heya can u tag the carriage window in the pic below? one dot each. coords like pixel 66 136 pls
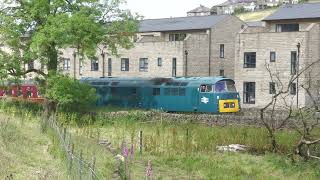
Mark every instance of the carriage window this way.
pixel 156 92
pixel 182 91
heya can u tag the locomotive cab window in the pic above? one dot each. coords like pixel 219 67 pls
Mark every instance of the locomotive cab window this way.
pixel 225 86
pixel 206 88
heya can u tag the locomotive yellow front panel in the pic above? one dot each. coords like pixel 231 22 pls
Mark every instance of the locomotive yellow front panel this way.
pixel 229 106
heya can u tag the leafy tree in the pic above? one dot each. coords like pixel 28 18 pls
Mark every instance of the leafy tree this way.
pixel 39 29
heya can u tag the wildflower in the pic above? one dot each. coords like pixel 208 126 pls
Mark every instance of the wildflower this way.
pixel 125 151
pixel 149 169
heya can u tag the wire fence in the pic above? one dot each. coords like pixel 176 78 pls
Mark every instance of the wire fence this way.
pixel 78 167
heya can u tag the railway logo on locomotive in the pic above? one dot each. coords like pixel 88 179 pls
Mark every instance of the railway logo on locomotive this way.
pixel 205 100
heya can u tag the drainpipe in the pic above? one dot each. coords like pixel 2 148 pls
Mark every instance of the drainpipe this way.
pixel 210 43
pixel 186 67
pixel 74 64
pixel 298 59
pixel 103 63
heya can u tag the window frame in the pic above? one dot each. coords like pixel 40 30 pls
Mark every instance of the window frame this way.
pixel 95 64
pixel 221 50
pixel 293 89
pixel 293 62
pixel 66 66
pixel 273 56
pixel 221 72
pixel 30 65
pixel 174 67
pixel 250 64
pixel 159 61
pixel 292 27
pixel 177 37
pixel 143 64
pixel 247 93
pixel 125 64
pixel 272 88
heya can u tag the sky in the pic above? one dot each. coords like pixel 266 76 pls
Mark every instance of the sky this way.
pixel 152 9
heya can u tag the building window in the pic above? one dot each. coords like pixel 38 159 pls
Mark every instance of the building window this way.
pixel 249 92
pixel 272 88
pixel 66 64
pixel 31 65
pixel 80 66
pixel 249 60
pixel 159 62
pixel 293 63
pixel 221 72
pixel 94 64
pixel 124 64
pixel 109 66
pixel 174 67
pixel 287 27
pixel 293 89
pixel 143 65
pixel 221 50
pixel 272 56
pixel 177 37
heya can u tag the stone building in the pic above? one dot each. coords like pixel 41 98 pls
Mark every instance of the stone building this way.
pixel 286 43
pixel 200 11
pixel 186 46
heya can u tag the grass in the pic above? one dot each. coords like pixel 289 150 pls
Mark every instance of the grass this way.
pixel 257 15
pixel 182 150
pixel 24 151
pixel 175 155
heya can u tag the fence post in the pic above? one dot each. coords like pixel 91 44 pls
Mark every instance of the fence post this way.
pixel 140 142
pixel 91 168
pixel 80 166
pixel 70 154
pixel 64 134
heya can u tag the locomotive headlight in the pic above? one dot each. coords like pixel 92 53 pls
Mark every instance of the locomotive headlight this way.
pixel 232 105
pixel 218 97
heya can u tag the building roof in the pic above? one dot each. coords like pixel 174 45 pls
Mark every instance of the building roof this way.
pixel 200 9
pixel 180 23
pixel 299 11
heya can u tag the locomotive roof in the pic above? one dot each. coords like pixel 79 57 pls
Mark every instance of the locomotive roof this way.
pixel 137 81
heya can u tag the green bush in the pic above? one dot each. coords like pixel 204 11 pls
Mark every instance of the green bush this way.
pixel 69 93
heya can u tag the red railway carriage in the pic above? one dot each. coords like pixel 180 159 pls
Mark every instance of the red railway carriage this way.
pixel 25 91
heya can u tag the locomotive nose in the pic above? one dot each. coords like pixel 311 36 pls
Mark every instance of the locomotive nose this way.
pixel 229 106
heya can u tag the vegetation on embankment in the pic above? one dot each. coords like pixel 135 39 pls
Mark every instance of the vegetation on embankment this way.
pixel 256 16
pixel 183 150
pixel 25 152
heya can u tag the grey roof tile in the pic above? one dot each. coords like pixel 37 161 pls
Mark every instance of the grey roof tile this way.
pixel 180 23
pixel 299 11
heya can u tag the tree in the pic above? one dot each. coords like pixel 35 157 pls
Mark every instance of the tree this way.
pixel 39 29
pixel 303 119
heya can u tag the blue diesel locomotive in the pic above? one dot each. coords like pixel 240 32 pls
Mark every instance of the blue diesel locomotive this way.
pixel 190 94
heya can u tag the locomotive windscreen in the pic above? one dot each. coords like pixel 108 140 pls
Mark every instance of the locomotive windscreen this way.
pixel 225 86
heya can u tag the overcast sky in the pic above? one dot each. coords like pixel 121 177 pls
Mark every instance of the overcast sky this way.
pixel 151 9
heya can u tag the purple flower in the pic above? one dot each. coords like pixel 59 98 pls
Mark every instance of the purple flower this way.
pixel 149 169
pixel 125 151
